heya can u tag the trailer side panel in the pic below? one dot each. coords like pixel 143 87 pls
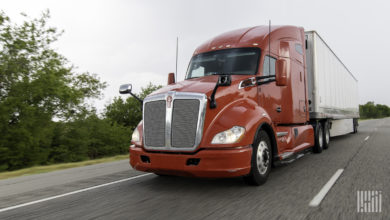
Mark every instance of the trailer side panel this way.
pixel 332 88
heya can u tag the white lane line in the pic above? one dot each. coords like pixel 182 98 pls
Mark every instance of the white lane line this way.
pixel 366 138
pixel 71 193
pixel 325 189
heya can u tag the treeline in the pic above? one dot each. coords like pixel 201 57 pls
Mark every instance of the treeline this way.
pixel 43 115
pixel 88 135
pixel 370 110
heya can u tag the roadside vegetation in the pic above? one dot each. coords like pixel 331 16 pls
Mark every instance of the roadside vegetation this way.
pixel 370 110
pixel 44 118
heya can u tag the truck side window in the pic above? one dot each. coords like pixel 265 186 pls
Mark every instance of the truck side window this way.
pixel 299 49
pixel 266 66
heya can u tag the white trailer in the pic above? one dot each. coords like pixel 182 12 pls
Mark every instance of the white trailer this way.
pixel 332 89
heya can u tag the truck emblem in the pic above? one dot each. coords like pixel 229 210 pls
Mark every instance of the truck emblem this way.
pixel 169 101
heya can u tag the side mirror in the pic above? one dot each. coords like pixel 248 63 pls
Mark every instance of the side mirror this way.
pixel 224 80
pixel 125 89
pixel 281 72
pixel 171 78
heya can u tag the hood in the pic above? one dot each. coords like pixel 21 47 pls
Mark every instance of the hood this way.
pixel 203 85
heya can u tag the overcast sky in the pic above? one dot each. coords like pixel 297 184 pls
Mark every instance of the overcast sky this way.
pixel 135 41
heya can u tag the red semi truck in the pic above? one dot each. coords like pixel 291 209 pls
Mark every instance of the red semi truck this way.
pixel 251 98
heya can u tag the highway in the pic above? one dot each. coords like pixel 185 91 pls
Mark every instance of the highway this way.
pixel 364 159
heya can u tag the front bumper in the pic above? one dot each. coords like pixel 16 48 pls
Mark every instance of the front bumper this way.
pixel 213 163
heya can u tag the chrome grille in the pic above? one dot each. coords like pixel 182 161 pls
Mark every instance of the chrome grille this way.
pixel 176 124
pixel 184 122
pixel 154 123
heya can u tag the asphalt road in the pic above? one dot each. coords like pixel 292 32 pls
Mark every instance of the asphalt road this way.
pixel 286 195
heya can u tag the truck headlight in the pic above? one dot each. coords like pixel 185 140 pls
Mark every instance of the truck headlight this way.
pixel 135 135
pixel 230 136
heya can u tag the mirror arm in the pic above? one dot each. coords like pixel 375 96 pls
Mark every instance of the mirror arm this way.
pixel 265 77
pixel 213 103
pixel 265 82
pixel 138 99
pixel 223 80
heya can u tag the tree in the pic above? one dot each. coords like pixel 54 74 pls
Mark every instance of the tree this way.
pixel 128 112
pixel 89 137
pixel 370 110
pixel 37 84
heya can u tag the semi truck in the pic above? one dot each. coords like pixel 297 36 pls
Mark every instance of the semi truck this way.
pixel 252 98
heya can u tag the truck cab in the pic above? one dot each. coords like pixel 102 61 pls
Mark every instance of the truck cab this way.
pixel 242 108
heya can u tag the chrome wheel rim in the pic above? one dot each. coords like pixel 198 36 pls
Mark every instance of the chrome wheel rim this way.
pixel 262 157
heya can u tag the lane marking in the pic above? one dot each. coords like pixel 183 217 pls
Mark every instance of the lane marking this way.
pixel 325 189
pixel 71 193
pixel 366 138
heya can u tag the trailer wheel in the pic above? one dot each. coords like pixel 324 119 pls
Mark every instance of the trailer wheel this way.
pixel 326 138
pixel 355 125
pixel 318 138
pixel 261 160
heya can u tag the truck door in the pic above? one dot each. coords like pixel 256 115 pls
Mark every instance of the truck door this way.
pixel 298 81
pixel 285 104
pixel 270 95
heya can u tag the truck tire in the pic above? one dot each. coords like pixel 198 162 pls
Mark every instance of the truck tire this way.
pixel 326 132
pixel 318 138
pixel 261 160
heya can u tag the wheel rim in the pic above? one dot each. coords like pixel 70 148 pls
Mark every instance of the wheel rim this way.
pixel 262 157
pixel 320 139
pixel 327 136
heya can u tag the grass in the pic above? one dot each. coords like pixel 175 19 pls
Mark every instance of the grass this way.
pixel 60 166
pixel 365 119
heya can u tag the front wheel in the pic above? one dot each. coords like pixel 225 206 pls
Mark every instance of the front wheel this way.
pixel 261 160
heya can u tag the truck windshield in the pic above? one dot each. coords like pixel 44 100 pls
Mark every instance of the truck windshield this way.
pixel 241 61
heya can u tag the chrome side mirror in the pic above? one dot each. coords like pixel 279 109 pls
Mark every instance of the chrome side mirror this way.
pixel 125 89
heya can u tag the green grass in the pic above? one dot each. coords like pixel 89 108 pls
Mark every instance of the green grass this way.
pixel 60 166
pixel 365 119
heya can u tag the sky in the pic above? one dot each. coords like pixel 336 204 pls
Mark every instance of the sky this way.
pixel 134 41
